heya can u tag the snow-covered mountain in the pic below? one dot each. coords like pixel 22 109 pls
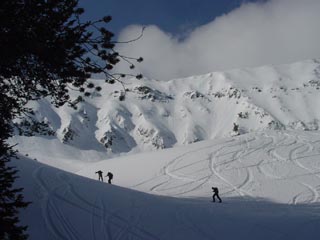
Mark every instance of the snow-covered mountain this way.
pixel 253 133
pixel 158 114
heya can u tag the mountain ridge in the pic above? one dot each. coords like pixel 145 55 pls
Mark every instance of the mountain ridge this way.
pixel 157 115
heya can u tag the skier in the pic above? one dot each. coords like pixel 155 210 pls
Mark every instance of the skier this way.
pixel 100 175
pixel 215 194
pixel 110 176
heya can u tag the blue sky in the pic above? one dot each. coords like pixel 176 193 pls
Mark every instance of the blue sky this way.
pixel 189 37
pixel 173 16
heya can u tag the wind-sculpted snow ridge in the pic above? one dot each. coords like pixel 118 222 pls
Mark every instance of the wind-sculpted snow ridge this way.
pixel 269 183
pixel 157 115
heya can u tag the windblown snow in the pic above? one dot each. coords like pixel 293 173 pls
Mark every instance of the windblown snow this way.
pixel 267 171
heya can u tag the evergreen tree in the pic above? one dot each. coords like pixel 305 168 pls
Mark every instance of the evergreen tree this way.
pixel 45 50
pixel 11 199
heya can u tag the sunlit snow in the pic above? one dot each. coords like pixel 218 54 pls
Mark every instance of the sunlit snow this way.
pixel 171 142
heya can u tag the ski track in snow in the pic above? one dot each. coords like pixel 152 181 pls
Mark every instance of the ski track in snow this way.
pixel 58 223
pixel 51 212
pixel 175 174
pixel 260 156
pixel 189 224
pixel 238 167
pixel 306 147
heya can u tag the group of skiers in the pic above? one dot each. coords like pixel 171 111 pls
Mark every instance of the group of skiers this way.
pixel 109 175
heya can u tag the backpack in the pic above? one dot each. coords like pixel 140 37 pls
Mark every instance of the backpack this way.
pixel 110 175
pixel 215 190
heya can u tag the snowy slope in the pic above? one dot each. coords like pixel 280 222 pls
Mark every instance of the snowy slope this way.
pixel 269 182
pixel 268 172
pixel 278 166
pixel 157 114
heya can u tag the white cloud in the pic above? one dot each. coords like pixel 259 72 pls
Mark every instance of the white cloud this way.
pixel 278 31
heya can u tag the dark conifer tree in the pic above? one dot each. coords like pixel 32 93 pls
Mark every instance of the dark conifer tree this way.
pixel 45 50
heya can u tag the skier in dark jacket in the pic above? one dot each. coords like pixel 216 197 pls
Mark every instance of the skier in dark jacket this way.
pixel 100 175
pixel 110 176
pixel 216 194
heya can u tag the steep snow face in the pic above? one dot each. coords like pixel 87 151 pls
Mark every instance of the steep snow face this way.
pixel 157 115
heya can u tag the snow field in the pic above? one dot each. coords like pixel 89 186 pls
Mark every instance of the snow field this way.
pixel 279 166
pixel 269 183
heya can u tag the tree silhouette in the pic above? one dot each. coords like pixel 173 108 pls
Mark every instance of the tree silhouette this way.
pixel 45 50
pixel 11 198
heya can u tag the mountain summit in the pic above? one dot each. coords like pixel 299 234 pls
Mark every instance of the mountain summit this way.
pixel 165 114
